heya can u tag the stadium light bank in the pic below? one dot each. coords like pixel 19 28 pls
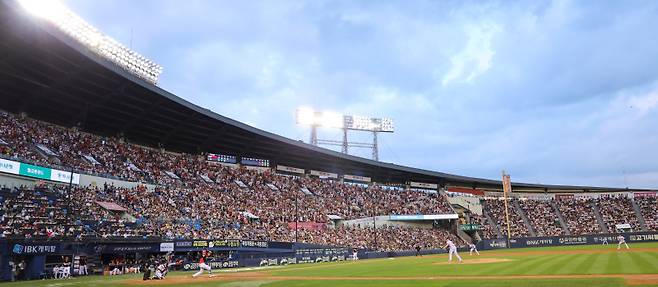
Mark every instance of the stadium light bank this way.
pixel 308 117
pixel 71 24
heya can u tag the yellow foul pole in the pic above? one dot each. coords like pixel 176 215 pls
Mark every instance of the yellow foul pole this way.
pixel 507 188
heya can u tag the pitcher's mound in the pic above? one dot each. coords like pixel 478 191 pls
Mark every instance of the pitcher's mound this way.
pixel 476 261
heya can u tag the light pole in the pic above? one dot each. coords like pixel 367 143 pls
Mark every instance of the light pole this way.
pixel 315 119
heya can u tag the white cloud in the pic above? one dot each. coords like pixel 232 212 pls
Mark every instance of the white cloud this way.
pixel 645 103
pixel 476 57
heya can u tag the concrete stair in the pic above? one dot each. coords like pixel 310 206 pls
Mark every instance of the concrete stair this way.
pixel 563 223
pixel 468 203
pixel 599 217
pixel 464 236
pixel 518 208
pixel 94 264
pixel 638 213
pixel 492 222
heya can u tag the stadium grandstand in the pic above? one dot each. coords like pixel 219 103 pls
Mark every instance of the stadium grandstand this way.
pixel 92 151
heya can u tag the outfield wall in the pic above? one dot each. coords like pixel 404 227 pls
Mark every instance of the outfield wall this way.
pixel 631 237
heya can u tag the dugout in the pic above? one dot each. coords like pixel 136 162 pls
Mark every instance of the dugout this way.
pixel 37 258
pixel 28 261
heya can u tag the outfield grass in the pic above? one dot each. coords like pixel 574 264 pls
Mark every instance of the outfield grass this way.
pixel 553 266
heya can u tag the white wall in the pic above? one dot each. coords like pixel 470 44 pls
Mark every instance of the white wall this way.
pixel 86 180
pixel 12 181
pixel 468 202
pixel 384 220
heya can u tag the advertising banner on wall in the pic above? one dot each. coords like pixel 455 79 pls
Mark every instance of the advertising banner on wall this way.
pixel 127 248
pixel 470 227
pixel 35 171
pixel 64 176
pixel 565 196
pixel 8 166
pixel 568 240
pixel 289 169
pixel 493 244
pixel 423 185
pixel 310 255
pixel 213 264
pixel 466 190
pixel 645 194
pixel 166 247
pixel 34 248
pixel 307 225
pixel 192 245
pixel 323 174
pixel 423 217
pixel 356 178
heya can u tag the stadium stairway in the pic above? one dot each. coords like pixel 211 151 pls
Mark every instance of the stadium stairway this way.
pixel 563 223
pixel 468 203
pixel 492 222
pixel 599 218
pixel 465 237
pixel 638 213
pixel 446 199
pixel 518 208
pixel 94 264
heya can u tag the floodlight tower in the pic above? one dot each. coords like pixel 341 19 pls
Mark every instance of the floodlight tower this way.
pixel 315 119
pixel 89 36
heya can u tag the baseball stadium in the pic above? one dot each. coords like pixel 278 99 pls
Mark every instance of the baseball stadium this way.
pixel 106 179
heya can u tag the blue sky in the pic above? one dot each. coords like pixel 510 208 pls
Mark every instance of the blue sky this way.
pixel 558 92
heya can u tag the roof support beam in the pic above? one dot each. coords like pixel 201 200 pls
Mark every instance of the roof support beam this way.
pixel 176 129
pixel 212 138
pixel 129 123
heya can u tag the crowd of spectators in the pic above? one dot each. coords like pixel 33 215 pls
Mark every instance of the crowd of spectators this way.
pixel 45 143
pixel 579 215
pixel 183 213
pixel 648 206
pixel 387 238
pixel 495 207
pixel 234 203
pixel 39 212
pixel 617 210
pixel 542 217
pixel 195 198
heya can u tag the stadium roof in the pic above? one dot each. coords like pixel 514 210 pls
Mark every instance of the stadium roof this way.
pixel 52 77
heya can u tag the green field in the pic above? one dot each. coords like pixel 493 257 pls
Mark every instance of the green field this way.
pixel 565 266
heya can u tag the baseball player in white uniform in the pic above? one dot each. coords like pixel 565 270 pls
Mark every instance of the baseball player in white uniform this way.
pixel 355 254
pixel 66 268
pixel 473 249
pixel 65 272
pixel 160 271
pixel 57 272
pixel 605 241
pixel 621 240
pixel 82 266
pixel 452 250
